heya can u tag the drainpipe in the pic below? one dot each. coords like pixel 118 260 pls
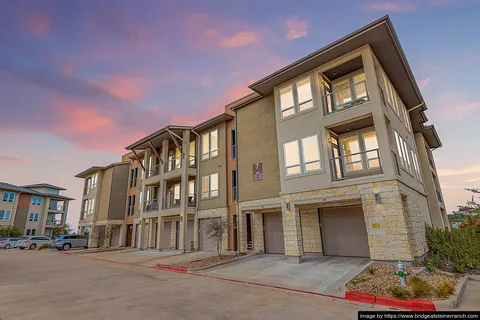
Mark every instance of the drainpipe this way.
pixel 237 209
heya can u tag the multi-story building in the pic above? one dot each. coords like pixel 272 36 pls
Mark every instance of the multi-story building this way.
pixel 35 209
pixel 341 158
pixel 102 214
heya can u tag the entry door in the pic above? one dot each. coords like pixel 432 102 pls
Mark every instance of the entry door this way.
pixel 274 241
pixel 129 235
pixel 204 243
pixel 344 232
pixel 177 234
pixel 167 235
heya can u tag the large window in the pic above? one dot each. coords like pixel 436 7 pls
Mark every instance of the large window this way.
pixel 131 205
pixel 347 91
pixel 210 186
pixel 359 152
pixel 133 177
pixel 8 197
pixel 91 182
pixel 403 152
pixel 306 159
pixel 210 144
pixel 33 216
pixel 5 215
pixel 36 201
pixel 395 102
pixel 233 144
pixel 416 167
pixel 234 185
pixel 296 97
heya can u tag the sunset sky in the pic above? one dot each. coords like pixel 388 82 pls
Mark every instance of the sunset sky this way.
pixel 80 80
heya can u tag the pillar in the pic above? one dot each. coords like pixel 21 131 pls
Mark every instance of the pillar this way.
pixel 242 232
pixel 292 232
pixel 173 234
pixel 142 233
pixel 195 232
pixel 93 237
pixel 160 227
pixel 134 235
pixel 123 232
pixel 182 243
pixel 163 184
pixel 151 233
pixel 108 236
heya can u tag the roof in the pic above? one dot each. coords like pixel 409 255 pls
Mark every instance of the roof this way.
pixel 25 189
pixel 46 185
pixel 213 121
pixel 249 98
pixel 94 169
pixel 141 143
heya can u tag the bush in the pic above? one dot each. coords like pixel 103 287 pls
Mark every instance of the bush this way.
pixel 399 292
pixel 420 287
pixel 430 266
pixel 44 246
pixel 371 270
pixel 11 231
pixel 459 247
pixel 444 289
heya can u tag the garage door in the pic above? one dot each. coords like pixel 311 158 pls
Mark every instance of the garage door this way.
pixel 204 243
pixel 115 237
pixel 344 232
pixel 274 242
pixel 166 236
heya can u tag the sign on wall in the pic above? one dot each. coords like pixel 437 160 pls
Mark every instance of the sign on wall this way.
pixel 257 172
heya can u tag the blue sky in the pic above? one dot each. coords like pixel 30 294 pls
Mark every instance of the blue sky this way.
pixel 80 80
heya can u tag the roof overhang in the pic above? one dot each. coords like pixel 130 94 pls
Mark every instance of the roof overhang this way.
pixel 156 137
pixel 213 122
pixel 431 136
pixel 237 104
pixel 88 172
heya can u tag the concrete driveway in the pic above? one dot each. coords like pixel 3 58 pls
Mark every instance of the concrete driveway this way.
pixel 326 275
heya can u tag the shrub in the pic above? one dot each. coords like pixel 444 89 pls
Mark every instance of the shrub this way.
pixel 371 269
pixel 399 292
pixel 460 247
pixel 11 231
pixel 44 246
pixel 420 287
pixel 430 266
pixel 444 289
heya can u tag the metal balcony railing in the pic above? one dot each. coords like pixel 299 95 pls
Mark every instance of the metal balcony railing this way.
pixel 154 171
pixel 58 207
pixel 347 97
pixel 356 164
pixel 54 223
pixel 151 205
pixel 173 164
pixel 439 197
pixel 170 202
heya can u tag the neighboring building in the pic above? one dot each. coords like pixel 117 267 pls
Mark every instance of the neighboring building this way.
pixel 334 157
pixel 102 215
pixel 35 209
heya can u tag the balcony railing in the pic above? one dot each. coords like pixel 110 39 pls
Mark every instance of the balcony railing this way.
pixel 170 202
pixel 151 205
pixel 431 162
pixel 192 162
pixel 154 171
pixel 173 164
pixel 347 97
pixel 58 207
pixel 54 223
pixel 439 197
pixel 356 164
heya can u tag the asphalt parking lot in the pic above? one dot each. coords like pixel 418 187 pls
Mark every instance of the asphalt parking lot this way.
pixel 51 285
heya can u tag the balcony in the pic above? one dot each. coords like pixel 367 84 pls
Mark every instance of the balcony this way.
pixel 439 197
pixel 347 97
pixel 172 202
pixel 51 224
pixel 152 172
pixel 356 165
pixel 57 207
pixel 151 205
pixel 173 164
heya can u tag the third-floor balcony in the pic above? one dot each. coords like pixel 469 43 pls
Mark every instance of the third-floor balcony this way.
pixel 176 163
pixel 346 96
pixel 54 206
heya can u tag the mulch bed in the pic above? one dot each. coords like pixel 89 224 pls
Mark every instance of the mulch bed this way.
pixel 383 277
pixel 205 262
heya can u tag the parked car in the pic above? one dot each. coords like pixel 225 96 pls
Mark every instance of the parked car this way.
pixel 8 243
pixel 31 242
pixel 67 241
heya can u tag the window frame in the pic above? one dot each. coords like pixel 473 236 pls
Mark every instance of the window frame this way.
pixel 209 192
pixel 302 154
pixel 210 150
pixel 296 103
pixel 301 157
pixel 6 215
pixel 8 196
pixel 234 186
pixel 363 152
pixel 299 165
pixel 416 167
pixel 233 144
pixel 31 216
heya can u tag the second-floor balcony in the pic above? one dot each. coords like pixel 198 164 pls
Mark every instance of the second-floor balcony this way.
pixel 53 223
pixel 151 205
pixel 170 202
pixel 57 207
pixel 355 165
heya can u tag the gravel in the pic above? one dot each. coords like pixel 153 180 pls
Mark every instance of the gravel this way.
pixel 384 277
pixel 205 262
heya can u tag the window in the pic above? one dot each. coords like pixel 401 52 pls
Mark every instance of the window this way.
pixel 36 201
pixel 191 192
pixel 210 144
pixel 31 232
pixel 36 216
pixel 233 144
pixel 91 182
pixel 8 197
pixel 296 97
pixel 52 190
pixel 416 166
pixel 346 92
pixel 133 177
pixel 371 146
pixel 91 207
pixel 395 102
pixel 309 156
pixel 131 205
pixel 402 152
pixel 31 216
pixel 210 186
pixel 5 215
pixel 351 150
pixel 191 162
pixel 234 185
pixel 359 152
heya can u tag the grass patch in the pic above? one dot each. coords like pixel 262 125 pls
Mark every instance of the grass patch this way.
pixel 420 287
pixel 399 292
pixel 444 289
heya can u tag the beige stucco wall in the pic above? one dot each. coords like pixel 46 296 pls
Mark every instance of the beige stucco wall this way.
pixel 257 143
pixel 12 206
pixel 104 197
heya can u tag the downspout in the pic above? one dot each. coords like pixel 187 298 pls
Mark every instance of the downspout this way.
pixel 237 209
pixel 198 169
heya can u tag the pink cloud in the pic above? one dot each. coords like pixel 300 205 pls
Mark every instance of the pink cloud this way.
pixel 13 159
pixel 391 6
pixel 240 39
pixel 68 70
pixel 462 105
pixel 38 24
pixel 125 87
pixel 296 28
pixel 423 83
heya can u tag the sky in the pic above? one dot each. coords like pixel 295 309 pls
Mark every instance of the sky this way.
pixel 80 80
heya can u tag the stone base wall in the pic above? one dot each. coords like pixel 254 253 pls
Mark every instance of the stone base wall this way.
pixel 257 230
pixel 312 240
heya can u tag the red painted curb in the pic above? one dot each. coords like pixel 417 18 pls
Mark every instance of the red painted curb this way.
pixel 414 305
pixel 170 268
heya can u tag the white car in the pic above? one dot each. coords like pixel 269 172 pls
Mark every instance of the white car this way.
pixel 31 242
pixel 8 243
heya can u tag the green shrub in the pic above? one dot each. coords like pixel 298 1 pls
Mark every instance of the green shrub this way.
pixel 371 269
pixel 420 287
pixel 460 247
pixel 44 246
pixel 357 281
pixel 444 289
pixel 399 292
pixel 11 231
pixel 430 266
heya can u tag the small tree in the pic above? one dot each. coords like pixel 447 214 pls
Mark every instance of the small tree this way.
pixel 61 229
pixel 214 229
pixel 11 231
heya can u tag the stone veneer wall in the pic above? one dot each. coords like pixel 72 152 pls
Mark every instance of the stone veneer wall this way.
pixel 312 240
pixel 257 229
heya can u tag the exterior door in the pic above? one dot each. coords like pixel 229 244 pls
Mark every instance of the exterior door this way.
pixel 129 235
pixel 115 237
pixel 204 243
pixel 167 235
pixel 177 234
pixel 344 232
pixel 274 241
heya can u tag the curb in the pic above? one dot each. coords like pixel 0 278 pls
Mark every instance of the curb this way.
pixel 414 305
pixel 452 302
pixel 166 267
pixel 239 258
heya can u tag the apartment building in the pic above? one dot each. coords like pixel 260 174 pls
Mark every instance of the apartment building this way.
pixel 35 209
pixel 334 157
pixel 102 215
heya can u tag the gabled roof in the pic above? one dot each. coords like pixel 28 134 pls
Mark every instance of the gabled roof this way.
pixel 213 121
pixel 27 190
pixel 44 185
pixel 11 187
